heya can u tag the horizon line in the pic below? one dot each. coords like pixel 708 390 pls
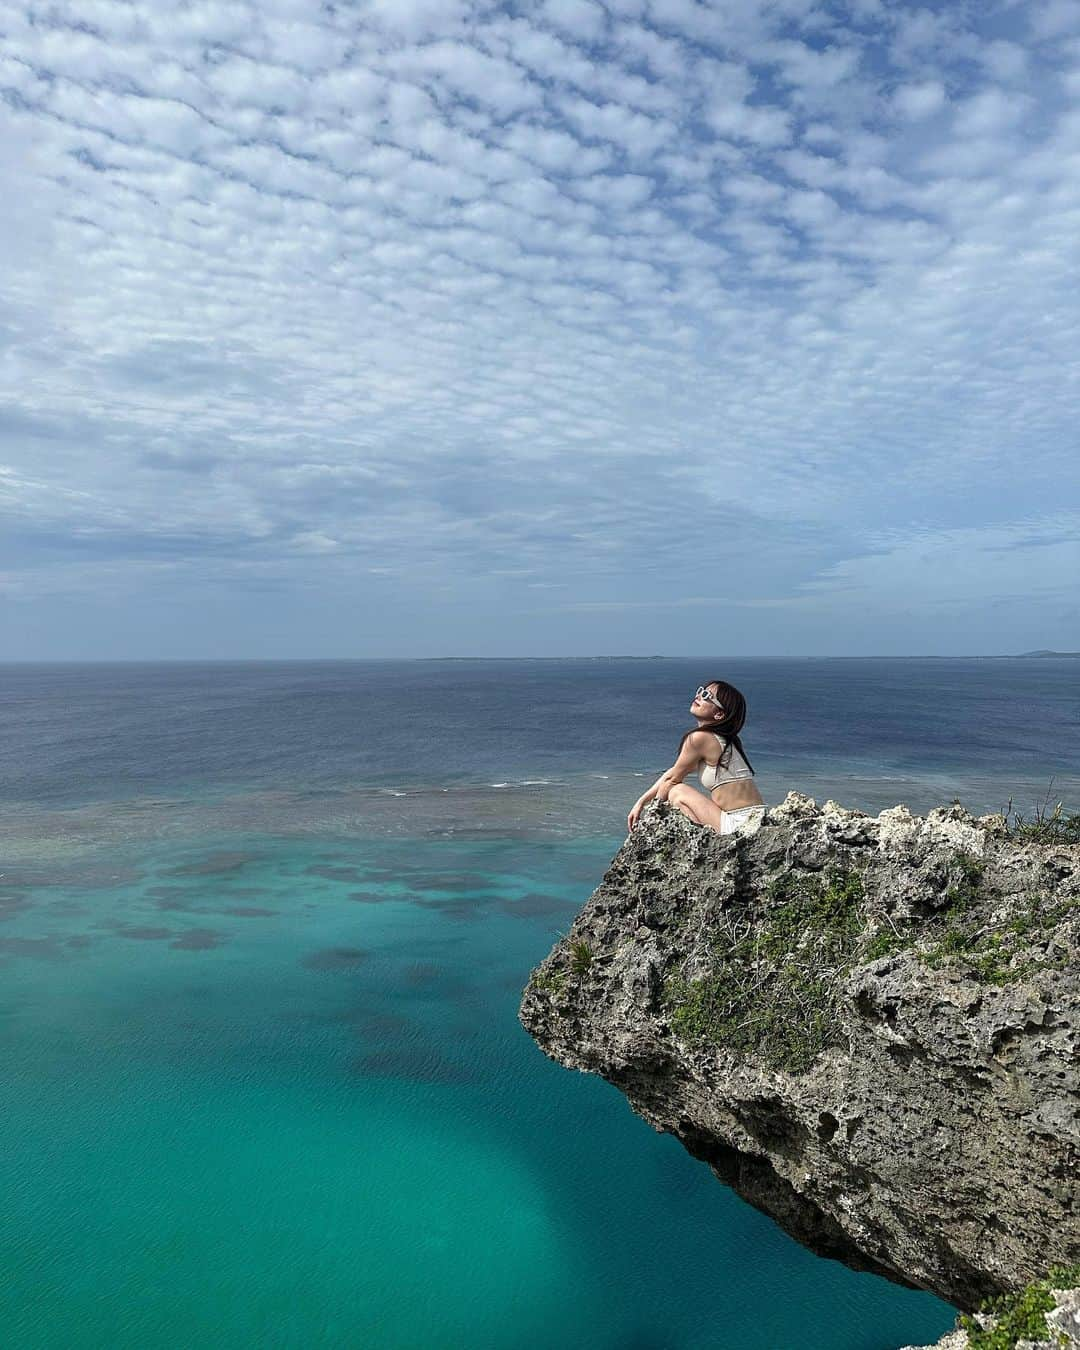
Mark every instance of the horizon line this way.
pixel 623 656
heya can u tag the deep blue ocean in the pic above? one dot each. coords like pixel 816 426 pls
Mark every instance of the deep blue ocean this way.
pixel 263 933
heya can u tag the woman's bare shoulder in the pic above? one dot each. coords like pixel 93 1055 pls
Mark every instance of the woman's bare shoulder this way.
pixel 699 740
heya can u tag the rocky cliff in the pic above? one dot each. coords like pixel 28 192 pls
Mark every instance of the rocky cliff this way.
pixel 868 1026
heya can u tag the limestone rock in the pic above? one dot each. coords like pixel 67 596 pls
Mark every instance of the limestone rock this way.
pixel 908 1101
pixel 1065 1319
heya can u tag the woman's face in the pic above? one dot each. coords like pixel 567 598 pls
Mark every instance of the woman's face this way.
pixel 702 707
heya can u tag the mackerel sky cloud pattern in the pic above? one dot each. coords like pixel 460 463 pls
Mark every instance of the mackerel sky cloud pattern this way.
pixel 442 326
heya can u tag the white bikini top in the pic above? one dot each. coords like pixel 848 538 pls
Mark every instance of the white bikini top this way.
pixel 712 776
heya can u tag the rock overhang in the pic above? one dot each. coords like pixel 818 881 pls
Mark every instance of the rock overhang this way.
pixel 924 1121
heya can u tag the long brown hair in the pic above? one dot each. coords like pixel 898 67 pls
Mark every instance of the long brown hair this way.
pixel 729 725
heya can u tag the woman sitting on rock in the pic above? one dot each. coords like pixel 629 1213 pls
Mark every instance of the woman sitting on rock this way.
pixel 715 753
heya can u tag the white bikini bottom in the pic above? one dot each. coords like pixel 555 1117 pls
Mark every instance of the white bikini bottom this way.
pixel 743 818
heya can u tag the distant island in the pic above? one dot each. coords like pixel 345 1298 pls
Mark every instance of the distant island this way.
pixel 1049 653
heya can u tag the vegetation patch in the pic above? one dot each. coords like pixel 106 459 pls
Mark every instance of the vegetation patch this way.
pixel 888 939
pixel 994 952
pixel 554 982
pixel 1020 1316
pixel 551 982
pixel 1044 825
pixel 775 986
pixel 777 973
pixel 580 957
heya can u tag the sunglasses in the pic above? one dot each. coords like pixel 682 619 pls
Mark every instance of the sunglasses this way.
pixel 703 693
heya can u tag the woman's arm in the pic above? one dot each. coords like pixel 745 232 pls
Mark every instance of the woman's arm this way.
pixel 687 762
pixel 639 805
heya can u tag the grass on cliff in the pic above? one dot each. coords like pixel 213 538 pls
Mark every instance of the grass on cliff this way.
pixel 1020 1316
pixel 1044 825
pixel 993 951
pixel 554 982
pixel 774 989
pixel 776 980
pixel 581 957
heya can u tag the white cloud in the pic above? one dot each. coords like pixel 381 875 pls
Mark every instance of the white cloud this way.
pixel 635 134
pixel 665 58
pixel 916 101
pixel 1005 60
pixel 1054 19
pixel 809 67
pixel 619 192
pixel 349 89
pixel 470 74
pixel 761 125
pixel 310 47
pixel 689 18
pixel 414 287
pixel 582 20
pixel 417 19
pixel 991 112
pixel 555 151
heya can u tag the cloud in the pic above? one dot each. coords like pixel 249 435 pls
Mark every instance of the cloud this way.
pixel 1026 562
pixel 991 112
pixel 581 20
pixel 916 101
pixel 761 125
pixel 502 301
pixel 1054 19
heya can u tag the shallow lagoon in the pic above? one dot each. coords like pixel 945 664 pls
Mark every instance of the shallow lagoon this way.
pixel 258 988
pixel 263 1092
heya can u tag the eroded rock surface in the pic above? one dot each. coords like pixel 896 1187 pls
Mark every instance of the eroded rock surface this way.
pixel 868 1026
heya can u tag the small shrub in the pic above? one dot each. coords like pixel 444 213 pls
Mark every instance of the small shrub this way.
pixel 581 957
pixel 1019 1316
pixel 1045 825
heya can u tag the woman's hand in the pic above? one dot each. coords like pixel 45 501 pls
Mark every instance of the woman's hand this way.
pixel 687 762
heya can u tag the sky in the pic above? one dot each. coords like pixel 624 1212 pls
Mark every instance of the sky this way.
pixel 453 327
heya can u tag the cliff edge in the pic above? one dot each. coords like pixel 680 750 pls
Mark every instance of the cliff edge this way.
pixel 867 1026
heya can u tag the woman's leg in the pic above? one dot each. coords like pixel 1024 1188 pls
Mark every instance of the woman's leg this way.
pixel 696 805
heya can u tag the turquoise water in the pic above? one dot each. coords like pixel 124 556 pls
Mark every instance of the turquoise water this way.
pixel 263 934
pixel 264 1090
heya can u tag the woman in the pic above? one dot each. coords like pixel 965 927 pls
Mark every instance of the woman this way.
pixel 715 753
